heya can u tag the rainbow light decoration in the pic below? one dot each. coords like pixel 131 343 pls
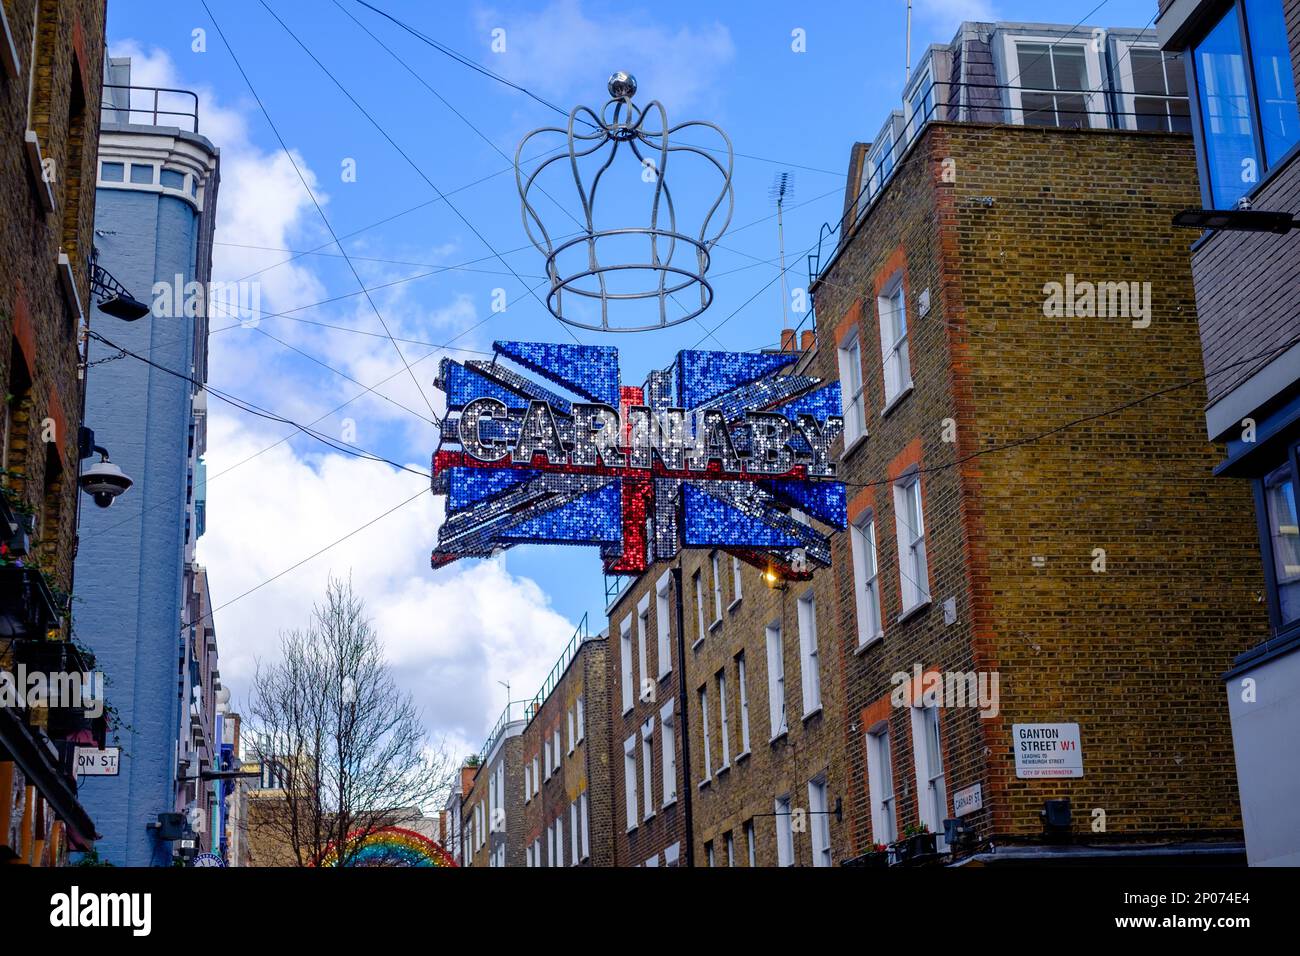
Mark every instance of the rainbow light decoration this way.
pixel 391 846
pixel 729 450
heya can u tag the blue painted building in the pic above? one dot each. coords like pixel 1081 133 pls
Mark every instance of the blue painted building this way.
pixel 142 599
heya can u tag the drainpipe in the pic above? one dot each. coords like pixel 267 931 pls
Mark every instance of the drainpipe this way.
pixel 686 735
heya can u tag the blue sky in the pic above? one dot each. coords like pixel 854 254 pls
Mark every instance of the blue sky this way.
pixel 455 633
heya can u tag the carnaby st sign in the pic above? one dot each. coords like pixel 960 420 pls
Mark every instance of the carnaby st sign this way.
pixel 721 449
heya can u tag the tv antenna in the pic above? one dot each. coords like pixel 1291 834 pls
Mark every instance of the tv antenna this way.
pixel 782 188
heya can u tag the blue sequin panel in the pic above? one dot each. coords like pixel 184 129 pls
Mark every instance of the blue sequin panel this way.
pixel 588 370
pixel 708 522
pixel 824 500
pixel 703 376
pixel 463 385
pixel 470 485
pixel 594 518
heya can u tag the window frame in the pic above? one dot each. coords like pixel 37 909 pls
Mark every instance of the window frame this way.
pixel 819 826
pixel 881 788
pixel 931 774
pixel 642 637
pixel 625 664
pixel 778 722
pixel 810 675
pixel 724 724
pixel 895 348
pixel 715 565
pixel 866 590
pixel 782 807
pixel 630 783
pixel 663 625
pixel 913 550
pixel 1094 97
pixel 742 676
pixel 647 768
pixel 1272 585
pixel 707 749
pixel 1127 92
pixel 853 401
pixel 1264 169
pixel 668 752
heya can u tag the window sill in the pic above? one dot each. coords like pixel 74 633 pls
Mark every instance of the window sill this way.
pixel 913 611
pixel 815 712
pixel 626 710
pixel 779 737
pixel 715 625
pixel 742 756
pixel 36 166
pixel 864 645
pixel 896 401
pixel 854 445
pixel 698 642
pixel 734 604
pixel 705 782
pixel 670 802
pixel 648 818
pixel 632 828
pixel 665 675
pixel 723 769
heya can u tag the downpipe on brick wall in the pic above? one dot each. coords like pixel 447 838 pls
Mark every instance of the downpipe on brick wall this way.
pixel 686 723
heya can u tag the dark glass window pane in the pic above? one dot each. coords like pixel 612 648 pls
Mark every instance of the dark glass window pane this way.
pixel 1150 113
pixel 1274 82
pixel 1035 66
pixel 1176 75
pixel 1180 116
pixel 1040 110
pixel 1071 110
pixel 1148 71
pixel 1225 113
pixel 1284 535
pixel 1071 67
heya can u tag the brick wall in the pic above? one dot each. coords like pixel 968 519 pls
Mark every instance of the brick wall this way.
pixel 777 764
pixel 1132 654
pixel 37 330
pixel 584 769
pixel 645 839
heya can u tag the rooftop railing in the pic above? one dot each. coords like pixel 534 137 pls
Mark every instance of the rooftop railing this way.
pixel 1009 105
pixel 580 636
pixel 129 110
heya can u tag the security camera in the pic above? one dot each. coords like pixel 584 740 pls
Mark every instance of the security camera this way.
pixel 103 480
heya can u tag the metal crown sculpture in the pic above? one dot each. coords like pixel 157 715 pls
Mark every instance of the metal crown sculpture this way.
pixel 674 262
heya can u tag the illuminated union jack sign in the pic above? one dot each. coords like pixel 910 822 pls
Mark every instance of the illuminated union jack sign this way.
pixel 727 450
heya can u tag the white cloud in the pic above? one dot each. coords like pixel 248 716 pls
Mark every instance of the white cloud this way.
pixel 451 634
pixel 562 52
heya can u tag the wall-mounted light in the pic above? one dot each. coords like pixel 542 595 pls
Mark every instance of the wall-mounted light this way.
pixel 111 296
pixel 1237 220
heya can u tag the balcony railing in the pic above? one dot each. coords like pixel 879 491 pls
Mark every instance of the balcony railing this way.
pixel 129 108
pixel 580 637
pixel 1006 105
